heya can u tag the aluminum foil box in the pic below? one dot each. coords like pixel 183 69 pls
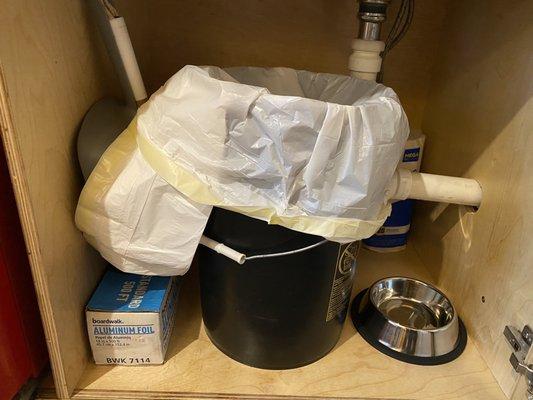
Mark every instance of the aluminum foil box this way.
pixel 130 318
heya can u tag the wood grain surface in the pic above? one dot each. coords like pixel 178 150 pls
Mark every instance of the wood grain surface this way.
pixel 477 113
pixel 479 123
pixel 197 369
pixel 51 74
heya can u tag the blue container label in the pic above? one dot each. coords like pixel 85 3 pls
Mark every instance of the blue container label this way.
pixel 411 155
pixel 386 241
pixel 401 213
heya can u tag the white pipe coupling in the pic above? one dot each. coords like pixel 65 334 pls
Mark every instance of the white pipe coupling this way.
pixel 444 189
pixel 400 185
pixel 365 61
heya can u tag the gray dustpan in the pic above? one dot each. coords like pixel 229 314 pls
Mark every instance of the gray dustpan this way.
pixel 107 118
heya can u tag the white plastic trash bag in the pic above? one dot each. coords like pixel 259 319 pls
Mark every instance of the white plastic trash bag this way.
pixel 138 222
pixel 311 152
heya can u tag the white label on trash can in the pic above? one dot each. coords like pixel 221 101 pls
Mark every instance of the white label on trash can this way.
pixel 343 281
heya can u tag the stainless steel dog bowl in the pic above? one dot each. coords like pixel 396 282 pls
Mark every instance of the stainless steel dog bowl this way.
pixel 409 320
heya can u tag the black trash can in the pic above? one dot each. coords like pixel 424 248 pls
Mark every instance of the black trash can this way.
pixel 274 313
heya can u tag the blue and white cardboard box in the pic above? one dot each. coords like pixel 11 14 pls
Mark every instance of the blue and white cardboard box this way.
pixel 130 318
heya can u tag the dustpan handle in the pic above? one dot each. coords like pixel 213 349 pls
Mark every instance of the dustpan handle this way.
pixel 129 61
pixel 117 41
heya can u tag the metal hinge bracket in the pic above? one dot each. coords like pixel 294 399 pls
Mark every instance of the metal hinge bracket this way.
pixel 521 343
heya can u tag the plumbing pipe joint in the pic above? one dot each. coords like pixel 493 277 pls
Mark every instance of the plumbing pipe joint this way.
pixel 444 189
pixel 365 61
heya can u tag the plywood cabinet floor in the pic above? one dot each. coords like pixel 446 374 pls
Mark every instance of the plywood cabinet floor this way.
pixel 196 369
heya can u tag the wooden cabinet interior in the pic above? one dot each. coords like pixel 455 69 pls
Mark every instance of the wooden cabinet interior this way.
pixel 302 34
pixel 353 370
pixel 52 71
pixel 462 73
pixel 479 123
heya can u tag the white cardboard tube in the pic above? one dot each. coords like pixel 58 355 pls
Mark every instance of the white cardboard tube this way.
pixel 125 48
pixel 444 189
pixel 223 249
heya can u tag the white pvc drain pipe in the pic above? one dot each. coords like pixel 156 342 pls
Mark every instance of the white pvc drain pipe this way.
pixel 404 185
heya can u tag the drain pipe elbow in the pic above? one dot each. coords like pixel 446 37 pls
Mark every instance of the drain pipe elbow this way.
pixel 444 189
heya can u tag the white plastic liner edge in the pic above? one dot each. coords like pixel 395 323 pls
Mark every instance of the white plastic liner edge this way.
pixel 312 152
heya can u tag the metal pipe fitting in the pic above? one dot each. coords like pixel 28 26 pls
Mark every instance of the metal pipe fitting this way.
pixel 372 14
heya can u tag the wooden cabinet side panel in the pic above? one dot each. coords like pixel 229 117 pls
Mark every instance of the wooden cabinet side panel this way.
pixel 52 71
pixel 479 124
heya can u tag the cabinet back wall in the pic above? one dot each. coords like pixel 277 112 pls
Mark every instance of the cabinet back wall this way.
pixel 314 35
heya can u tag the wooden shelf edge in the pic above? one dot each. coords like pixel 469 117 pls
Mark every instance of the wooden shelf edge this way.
pixel 49 394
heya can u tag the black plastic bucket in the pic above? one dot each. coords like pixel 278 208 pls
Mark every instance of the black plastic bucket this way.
pixel 274 313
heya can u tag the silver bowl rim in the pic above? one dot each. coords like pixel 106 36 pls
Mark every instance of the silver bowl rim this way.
pixel 454 319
